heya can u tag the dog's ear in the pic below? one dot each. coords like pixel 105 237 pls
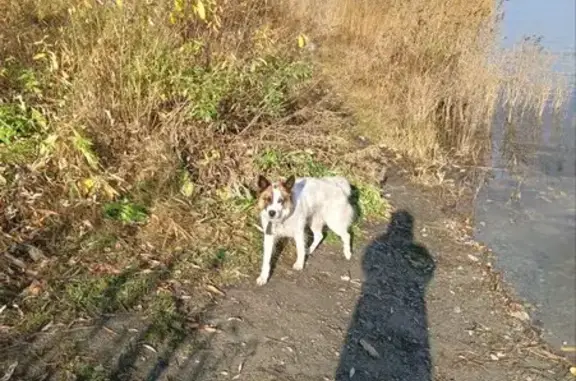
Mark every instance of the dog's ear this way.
pixel 263 183
pixel 289 183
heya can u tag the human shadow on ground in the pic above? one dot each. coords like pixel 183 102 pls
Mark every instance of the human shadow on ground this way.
pixel 388 336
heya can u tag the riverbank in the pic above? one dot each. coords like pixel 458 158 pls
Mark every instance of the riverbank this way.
pixel 442 314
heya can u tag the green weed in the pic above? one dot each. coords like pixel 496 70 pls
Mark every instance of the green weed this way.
pixel 126 212
pixel 89 372
pixel 301 162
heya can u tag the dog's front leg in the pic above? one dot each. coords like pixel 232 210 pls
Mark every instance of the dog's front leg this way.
pixel 269 241
pixel 300 239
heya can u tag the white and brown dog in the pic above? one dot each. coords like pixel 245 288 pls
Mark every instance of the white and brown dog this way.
pixel 287 207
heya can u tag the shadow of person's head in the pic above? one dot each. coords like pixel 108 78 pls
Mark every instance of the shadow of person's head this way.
pixel 396 254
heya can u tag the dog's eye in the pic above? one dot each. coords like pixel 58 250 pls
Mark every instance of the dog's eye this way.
pixel 280 201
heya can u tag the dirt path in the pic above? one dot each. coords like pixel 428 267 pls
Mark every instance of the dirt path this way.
pixel 405 308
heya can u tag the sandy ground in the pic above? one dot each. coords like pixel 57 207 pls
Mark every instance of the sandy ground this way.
pixel 416 302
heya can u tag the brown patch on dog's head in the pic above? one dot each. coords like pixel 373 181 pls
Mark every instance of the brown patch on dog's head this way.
pixel 285 188
pixel 275 193
pixel 264 192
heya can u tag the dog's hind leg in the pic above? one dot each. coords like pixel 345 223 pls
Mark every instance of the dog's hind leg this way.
pixel 316 225
pixel 341 226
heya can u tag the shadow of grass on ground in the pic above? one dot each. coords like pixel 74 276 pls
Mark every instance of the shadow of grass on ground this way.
pixel 115 344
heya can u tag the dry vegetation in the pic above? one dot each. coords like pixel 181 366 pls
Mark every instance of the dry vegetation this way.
pixel 425 77
pixel 131 131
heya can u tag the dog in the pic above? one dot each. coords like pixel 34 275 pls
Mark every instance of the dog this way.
pixel 287 207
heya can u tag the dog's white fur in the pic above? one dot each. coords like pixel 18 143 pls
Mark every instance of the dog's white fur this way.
pixel 315 202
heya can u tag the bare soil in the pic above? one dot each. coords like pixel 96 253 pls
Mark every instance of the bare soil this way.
pixel 417 302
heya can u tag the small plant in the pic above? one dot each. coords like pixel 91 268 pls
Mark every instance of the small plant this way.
pixel 88 372
pixel 126 212
pixel 302 162
pixel 17 121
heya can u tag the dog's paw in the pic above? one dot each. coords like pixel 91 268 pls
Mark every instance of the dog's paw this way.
pixel 262 280
pixel 347 255
pixel 298 266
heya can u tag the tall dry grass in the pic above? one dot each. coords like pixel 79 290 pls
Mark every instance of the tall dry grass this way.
pixel 426 77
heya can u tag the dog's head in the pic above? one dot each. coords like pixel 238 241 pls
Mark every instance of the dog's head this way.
pixel 275 199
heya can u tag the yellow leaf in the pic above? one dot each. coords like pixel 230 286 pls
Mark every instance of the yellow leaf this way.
pixel 119 3
pixel 178 6
pixel 87 185
pixel 39 56
pixel 573 370
pixel 302 41
pixel 187 188
pixel 201 10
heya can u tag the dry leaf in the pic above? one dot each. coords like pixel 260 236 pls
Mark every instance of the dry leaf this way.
pixel 150 348
pixel 302 40
pixel 215 290
pixel 473 258
pixel 521 315
pixel 369 348
pixel 34 289
pixel 209 328
pixel 201 10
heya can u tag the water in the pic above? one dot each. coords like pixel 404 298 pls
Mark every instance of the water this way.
pixel 527 212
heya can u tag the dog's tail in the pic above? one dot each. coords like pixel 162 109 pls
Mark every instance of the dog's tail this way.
pixel 343 184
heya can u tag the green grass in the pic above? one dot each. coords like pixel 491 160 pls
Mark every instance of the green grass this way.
pixel 109 293
pixel 126 212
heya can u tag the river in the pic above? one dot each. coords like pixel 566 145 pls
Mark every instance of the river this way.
pixel 527 215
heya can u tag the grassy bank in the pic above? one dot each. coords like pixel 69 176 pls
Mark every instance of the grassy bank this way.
pixel 131 133
pixel 130 137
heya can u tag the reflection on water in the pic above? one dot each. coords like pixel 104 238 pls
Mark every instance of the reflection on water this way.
pixel 527 212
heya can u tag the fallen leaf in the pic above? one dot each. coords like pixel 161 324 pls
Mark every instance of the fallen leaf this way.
pixel 473 258
pixel 150 348
pixel 215 290
pixel 302 40
pixel 34 289
pixel 201 10
pixel 369 348
pixel 573 370
pixel 352 372
pixel 209 328
pixel 521 315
